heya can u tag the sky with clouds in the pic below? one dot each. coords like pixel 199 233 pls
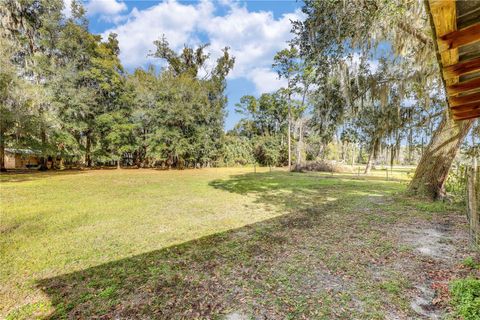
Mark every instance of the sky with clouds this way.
pixel 254 31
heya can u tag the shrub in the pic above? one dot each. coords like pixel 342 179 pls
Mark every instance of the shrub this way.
pixel 323 166
pixel 236 151
pixel 466 298
pixel 469 262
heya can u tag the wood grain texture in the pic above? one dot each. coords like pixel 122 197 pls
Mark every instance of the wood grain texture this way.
pixel 461 68
pixel 459 38
pixel 463 97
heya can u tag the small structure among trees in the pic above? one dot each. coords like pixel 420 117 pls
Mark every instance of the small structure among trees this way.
pixel 21 159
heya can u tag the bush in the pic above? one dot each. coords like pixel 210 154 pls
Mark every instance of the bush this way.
pixel 456 182
pixel 469 262
pixel 268 151
pixel 236 151
pixel 466 298
pixel 323 166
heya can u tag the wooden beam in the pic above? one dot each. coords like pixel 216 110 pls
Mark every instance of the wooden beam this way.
pixel 473 114
pixel 444 13
pixel 459 112
pixel 444 16
pixel 455 89
pixel 438 4
pixel 458 101
pixel 465 114
pixel 466 107
pixel 459 38
pixel 461 68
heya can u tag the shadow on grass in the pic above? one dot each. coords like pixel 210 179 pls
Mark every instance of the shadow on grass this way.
pixel 302 191
pixel 225 272
pixel 30 175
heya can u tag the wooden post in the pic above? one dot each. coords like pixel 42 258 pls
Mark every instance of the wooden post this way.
pixel 473 202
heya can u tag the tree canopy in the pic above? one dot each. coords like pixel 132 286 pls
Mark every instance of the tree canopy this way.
pixel 361 85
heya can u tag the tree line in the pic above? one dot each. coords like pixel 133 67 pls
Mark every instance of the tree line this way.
pixel 372 103
pixel 362 78
pixel 361 83
pixel 66 94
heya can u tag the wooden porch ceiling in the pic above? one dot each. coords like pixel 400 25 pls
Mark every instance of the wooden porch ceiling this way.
pixel 457 30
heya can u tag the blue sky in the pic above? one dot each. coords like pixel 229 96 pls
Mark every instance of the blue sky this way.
pixel 254 30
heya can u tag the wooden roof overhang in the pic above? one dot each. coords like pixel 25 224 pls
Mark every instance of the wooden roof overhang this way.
pixel 457 31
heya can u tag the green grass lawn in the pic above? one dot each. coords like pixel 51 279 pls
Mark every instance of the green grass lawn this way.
pixel 206 243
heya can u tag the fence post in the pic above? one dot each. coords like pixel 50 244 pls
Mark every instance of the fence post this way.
pixel 473 202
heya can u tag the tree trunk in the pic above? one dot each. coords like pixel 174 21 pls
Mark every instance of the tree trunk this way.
pixel 371 156
pixel 300 145
pixel 354 147
pixel 437 158
pixel 44 158
pixel 118 164
pixel 393 152
pixel 369 162
pixel 337 155
pixel 88 151
pixel 386 155
pixel 321 151
pixel 289 141
pixel 396 154
pixel 2 152
pixel 410 146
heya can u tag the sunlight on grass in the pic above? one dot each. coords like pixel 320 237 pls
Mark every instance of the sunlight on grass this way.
pixel 62 228
pixel 55 223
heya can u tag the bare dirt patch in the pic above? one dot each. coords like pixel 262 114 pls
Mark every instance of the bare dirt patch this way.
pixel 429 241
pixel 438 248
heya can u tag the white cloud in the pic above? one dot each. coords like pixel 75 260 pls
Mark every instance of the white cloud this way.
pixel 355 60
pixel 106 8
pixel 67 8
pixel 176 21
pixel 254 37
pixel 109 10
pixel 265 80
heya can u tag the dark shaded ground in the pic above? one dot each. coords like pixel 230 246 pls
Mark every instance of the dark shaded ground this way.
pixel 346 249
pixel 29 175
